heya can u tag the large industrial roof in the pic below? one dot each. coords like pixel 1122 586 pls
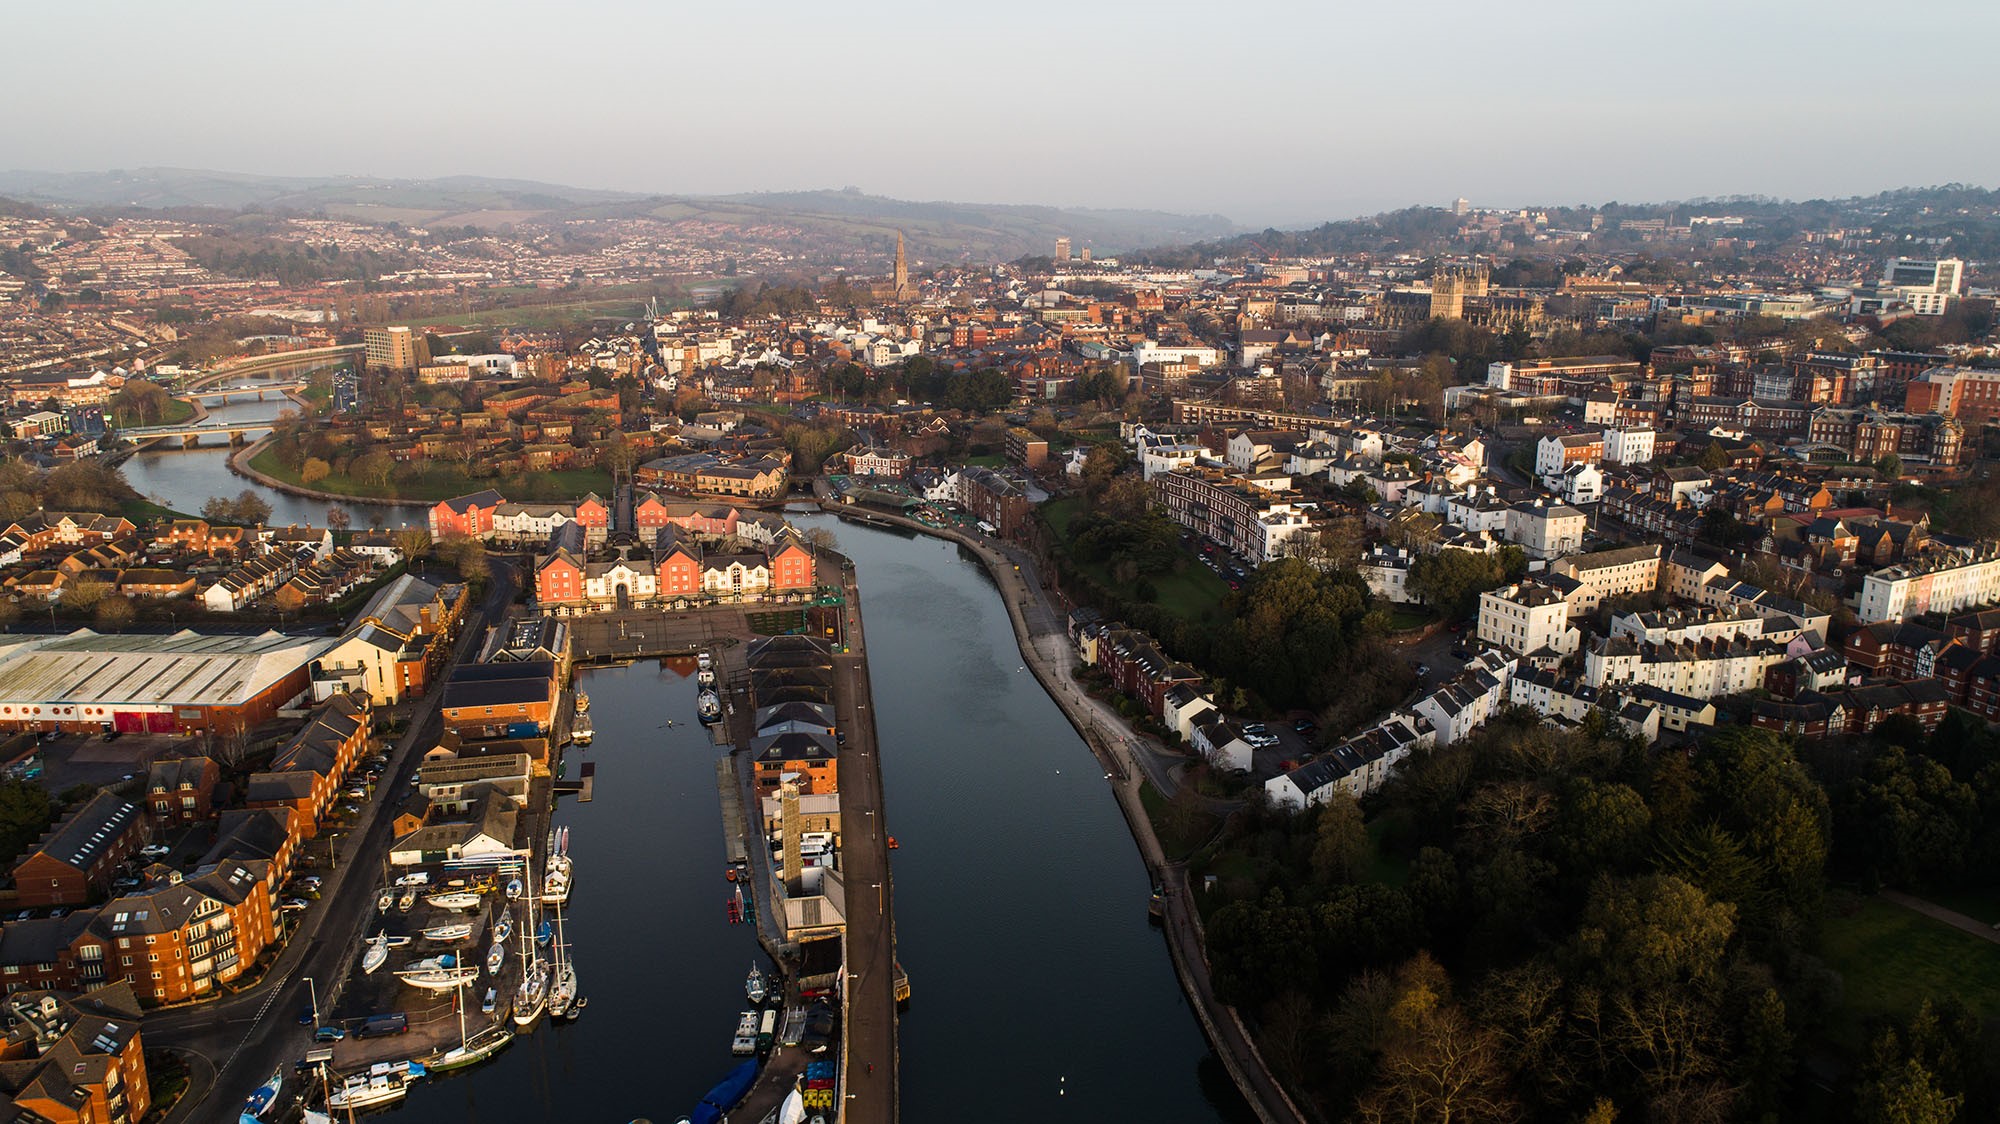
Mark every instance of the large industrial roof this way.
pixel 186 669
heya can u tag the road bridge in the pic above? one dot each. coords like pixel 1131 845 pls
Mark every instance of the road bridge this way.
pixel 191 433
pixel 258 391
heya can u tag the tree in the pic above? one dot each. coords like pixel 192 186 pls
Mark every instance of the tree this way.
pixel 1437 1067
pixel 1340 842
pixel 80 595
pixel 114 613
pixel 372 468
pixel 1714 458
pixel 822 538
pixel 251 508
pixel 338 518
pixel 412 542
pixel 1452 580
pixel 1652 932
pixel 25 810
pixel 314 471
pixel 1890 467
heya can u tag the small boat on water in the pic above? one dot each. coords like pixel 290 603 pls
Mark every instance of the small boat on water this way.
pixel 580 731
pixel 755 989
pixel 407 900
pixel 582 704
pixel 262 1098
pixel 533 995
pixel 705 677
pixel 745 1041
pixel 496 955
pixel 448 933
pixel 375 954
pixel 708 707
pixel 384 1083
pixel 704 661
pixel 454 899
pixel 475 1049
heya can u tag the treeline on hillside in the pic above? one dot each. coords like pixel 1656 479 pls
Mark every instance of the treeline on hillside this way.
pixel 1578 928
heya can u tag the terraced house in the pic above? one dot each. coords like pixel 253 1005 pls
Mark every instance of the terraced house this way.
pixel 306 775
pixel 74 1059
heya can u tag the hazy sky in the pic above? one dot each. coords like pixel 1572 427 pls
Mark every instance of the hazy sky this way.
pixel 1282 113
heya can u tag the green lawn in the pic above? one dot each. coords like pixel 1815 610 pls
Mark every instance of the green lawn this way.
pixel 142 511
pixel 989 460
pixel 174 412
pixel 441 482
pixel 1406 618
pixel 1177 839
pixel 1192 594
pixel 1891 959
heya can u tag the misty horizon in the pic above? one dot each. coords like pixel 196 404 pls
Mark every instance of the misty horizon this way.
pixel 1267 115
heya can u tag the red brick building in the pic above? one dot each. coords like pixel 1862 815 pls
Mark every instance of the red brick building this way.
pixel 466 515
pixel 79 855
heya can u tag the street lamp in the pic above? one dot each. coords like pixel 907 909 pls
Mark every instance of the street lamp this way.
pixel 312 993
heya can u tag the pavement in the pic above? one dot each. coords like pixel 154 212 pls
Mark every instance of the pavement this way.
pixel 869 1058
pixel 240 1039
pixel 1951 917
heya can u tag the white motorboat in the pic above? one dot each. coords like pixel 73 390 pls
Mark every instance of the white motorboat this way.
pixel 745 1041
pixel 385 901
pixel 496 955
pixel 705 677
pixel 582 704
pixel 384 1083
pixel 708 706
pixel 454 899
pixel 755 988
pixel 407 900
pixel 457 931
pixel 580 730
pixel 555 884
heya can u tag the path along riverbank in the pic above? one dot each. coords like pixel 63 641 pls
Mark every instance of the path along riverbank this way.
pixel 239 463
pixel 1042 635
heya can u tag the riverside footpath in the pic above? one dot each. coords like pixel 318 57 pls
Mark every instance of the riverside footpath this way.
pixel 1041 632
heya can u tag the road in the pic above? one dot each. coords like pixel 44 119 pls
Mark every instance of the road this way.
pixel 247 1035
pixel 870 1057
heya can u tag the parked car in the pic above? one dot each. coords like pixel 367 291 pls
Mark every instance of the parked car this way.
pixel 356 792
pixel 292 904
pixel 156 851
pixel 329 1034
pixel 1255 728
pixel 308 1016
pixel 1305 726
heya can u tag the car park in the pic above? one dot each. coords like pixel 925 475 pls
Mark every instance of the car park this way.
pixel 1255 728
pixel 1305 726
pixel 356 792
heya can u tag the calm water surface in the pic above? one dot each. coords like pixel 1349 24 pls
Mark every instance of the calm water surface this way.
pixel 1040 990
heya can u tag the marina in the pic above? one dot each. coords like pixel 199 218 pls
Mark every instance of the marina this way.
pixel 938 632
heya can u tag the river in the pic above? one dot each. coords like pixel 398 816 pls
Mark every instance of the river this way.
pixel 1040 990
pixel 184 479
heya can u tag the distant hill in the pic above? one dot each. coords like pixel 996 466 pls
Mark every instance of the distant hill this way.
pixel 1962 219
pixel 937 231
